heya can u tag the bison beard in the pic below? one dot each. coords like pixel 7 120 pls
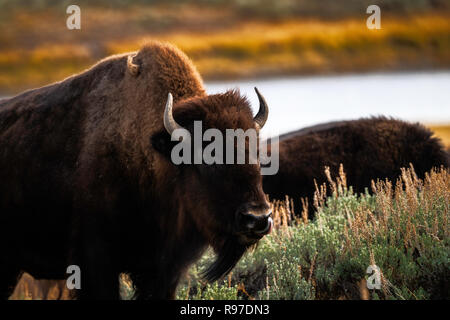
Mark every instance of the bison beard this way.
pixel 228 256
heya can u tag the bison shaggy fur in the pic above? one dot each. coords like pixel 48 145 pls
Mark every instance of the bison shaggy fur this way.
pixel 86 178
pixel 369 149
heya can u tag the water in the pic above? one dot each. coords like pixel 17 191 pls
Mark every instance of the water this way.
pixel 303 101
pixel 298 102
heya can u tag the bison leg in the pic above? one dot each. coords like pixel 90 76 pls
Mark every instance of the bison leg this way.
pixel 96 285
pixel 99 280
pixel 154 285
pixel 8 280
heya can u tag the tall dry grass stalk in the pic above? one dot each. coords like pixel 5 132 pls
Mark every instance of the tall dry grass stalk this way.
pixel 408 206
pixel 407 216
pixel 283 213
pixel 411 208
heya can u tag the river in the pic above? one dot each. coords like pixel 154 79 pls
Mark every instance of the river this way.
pixel 302 101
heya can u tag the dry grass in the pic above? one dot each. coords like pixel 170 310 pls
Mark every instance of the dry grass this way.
pixel 407 205
pixel 30 289
pixel 443 132
pixel 403 228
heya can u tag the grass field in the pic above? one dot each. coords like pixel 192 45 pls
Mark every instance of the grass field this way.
pixel 403 228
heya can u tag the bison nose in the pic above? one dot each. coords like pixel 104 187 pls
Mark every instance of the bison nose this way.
pixel 259 224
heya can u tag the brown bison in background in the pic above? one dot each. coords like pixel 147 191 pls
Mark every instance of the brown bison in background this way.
pixel 374 148
pixel 86 179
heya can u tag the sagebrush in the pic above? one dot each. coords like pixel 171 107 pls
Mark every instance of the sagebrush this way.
pixel 401 227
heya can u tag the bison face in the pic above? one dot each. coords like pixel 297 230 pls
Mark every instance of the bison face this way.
pixel 234 213
pixel 237 205
pixel 224 199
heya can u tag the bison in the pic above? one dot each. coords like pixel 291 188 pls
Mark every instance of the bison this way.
pixel 372 148
pixel 86 178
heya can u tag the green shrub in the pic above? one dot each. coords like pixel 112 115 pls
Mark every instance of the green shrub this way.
pixel 403 229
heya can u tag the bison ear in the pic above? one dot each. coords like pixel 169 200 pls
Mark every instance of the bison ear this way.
pixel 133 68
pixel 162 143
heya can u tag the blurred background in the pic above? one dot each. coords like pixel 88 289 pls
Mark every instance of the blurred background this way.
pixel 314 61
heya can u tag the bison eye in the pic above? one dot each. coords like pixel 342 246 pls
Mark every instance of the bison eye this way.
pixel 162 143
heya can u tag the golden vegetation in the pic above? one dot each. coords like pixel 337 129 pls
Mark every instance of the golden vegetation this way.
pixel 245 49
pixel 442 132
pixel 30 289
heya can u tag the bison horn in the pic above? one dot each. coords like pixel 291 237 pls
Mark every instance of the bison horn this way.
pixel 132 67
pixel 261 117
pixel 169 122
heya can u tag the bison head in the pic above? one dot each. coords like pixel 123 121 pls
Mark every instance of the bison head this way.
pixel 225 202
